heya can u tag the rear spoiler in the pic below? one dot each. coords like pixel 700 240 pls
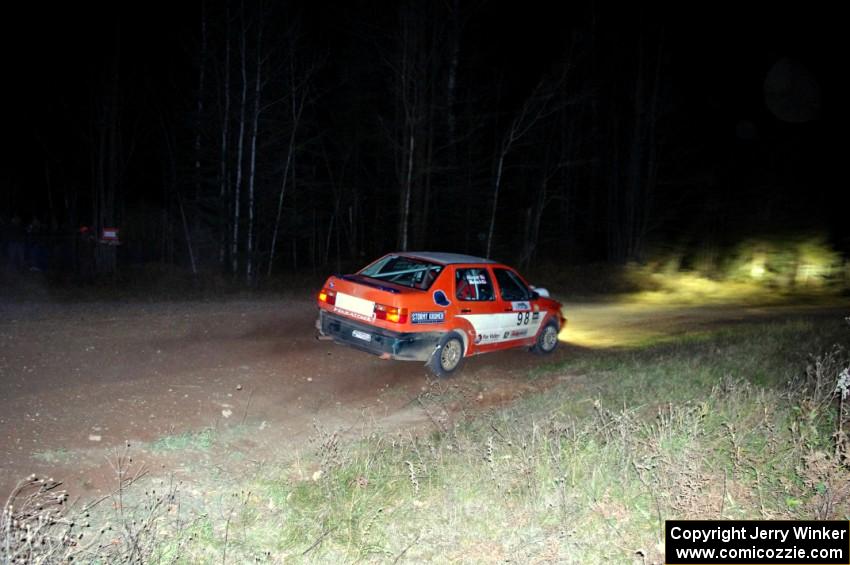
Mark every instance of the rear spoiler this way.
pixel 368 282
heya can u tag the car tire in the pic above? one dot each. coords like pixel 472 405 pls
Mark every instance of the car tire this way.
pixel 547 339
pixel 447 357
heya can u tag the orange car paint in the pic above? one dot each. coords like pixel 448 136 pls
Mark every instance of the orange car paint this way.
pixel 485 325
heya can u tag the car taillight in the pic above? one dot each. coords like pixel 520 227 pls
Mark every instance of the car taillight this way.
pixel 391 313
pixel 327 296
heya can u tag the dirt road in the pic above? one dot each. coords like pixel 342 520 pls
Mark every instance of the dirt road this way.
pixel 79 381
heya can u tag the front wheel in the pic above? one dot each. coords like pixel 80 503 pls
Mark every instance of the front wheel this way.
pixel 547 339
pixel 448 356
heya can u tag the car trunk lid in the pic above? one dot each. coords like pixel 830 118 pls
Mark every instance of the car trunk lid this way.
pixel 369 300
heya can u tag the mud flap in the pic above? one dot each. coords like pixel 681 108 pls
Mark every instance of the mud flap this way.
pixel 320 335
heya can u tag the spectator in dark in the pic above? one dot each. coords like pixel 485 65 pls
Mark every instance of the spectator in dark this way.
pixel 85 249
pixel 15 244
pixel 4 237
pixel 36 248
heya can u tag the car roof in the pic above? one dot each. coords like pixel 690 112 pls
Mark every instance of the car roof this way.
pixel 446 258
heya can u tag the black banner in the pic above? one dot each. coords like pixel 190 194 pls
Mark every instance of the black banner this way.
pixel 763 542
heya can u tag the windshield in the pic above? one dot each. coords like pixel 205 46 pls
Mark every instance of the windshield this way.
pixel 405 271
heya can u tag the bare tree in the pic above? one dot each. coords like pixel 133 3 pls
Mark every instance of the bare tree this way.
pixel 533 111
pixel 298 99
pixel 416 65
pixel 173 190
pixel 199 102
pixel 409 110
pixel 224 184
pixel 634 158
pixel 110 154
pixel 240 141
pixel 558 163
pixel 255 122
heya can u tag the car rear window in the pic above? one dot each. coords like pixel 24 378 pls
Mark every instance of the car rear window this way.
pixel 405 271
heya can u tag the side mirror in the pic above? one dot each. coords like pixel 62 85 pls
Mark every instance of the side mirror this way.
pixel 538 292
pixel 535 295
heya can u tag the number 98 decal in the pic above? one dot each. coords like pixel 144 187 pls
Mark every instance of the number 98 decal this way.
pixel 522 318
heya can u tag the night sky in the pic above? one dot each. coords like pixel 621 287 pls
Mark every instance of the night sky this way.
pixel 745 125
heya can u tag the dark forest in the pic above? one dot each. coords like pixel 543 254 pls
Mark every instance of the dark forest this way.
pixel 633 317
pixel 256 138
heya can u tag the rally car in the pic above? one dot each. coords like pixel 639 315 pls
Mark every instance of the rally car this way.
pixel 438 308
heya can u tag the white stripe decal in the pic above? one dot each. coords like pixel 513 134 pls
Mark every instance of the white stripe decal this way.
pixel 497 328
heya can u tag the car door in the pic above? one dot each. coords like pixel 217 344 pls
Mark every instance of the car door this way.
pixel 474 293
pixel 521 316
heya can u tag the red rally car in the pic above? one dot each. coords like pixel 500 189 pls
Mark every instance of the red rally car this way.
pixel 438 308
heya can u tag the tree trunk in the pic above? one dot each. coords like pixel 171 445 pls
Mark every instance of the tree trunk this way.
pixel 652 142
pixel 297 103
pixel 408 189
pixel 249 263
pixel 223 169
pixel 110 163
pixel 187 234
pixel 451 82
pixel 614 220
pixel 534 215
pixel 237 188
pixel 199 103
pixel 634 197
pixel 50 208
pixel 497 183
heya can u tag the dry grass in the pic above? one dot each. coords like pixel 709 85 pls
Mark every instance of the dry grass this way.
pixel 129 525
pixel 740 423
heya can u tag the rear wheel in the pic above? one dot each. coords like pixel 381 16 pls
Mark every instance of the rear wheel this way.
pixel 547 339
pixel 448 356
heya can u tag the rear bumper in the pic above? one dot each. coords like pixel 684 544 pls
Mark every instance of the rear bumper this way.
pixel 405 346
